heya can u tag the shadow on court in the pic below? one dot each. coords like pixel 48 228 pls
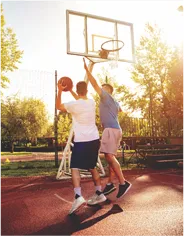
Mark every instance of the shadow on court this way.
pixel 79 221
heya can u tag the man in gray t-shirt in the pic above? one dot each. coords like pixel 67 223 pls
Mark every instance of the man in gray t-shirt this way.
pixel 111 135
pixel 109 109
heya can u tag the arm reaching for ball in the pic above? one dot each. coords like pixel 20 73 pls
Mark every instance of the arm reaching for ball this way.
pixel 59 104
pixel 74 94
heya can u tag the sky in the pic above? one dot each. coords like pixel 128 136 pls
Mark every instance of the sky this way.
pixel 40 28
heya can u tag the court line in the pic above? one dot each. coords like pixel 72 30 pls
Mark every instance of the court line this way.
pixel 28 185
pixel 9 186
pixel 19 185
pixel 64 200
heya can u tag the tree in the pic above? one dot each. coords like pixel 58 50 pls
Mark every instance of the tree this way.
pixel 23 119
pixel 12 128
pixel 64 127
pixel 35 118
pixel 10 53
pixel 174 88
pixel 50 130
pixel 151 72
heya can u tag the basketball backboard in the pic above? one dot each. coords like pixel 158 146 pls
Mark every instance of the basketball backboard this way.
pixel 86 33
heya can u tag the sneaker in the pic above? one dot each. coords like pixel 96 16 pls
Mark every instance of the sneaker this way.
pixel 123 189
pixel 98 197
pixel 79 202
pixel 109 189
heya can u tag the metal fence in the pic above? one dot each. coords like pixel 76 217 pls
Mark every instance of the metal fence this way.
pixel 141 127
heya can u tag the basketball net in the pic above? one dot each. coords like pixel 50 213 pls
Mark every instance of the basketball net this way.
pixel 64 171
pixel 113 61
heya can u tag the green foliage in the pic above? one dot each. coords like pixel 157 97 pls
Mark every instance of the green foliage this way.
pixel 50 131
pixel 174 86
pixel 12 120
pixel 150 69
pixel 23 119
pixel 29 168
pixel 10 54
pixel 35 117
pixel 158 75
pixel 64 127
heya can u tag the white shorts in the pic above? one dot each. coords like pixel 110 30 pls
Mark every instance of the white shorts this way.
pixel 110 140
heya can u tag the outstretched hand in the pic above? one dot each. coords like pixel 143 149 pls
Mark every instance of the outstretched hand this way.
pixel 85 66
pixel 61 87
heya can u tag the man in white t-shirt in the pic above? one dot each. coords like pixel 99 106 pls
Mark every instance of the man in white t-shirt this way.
pixel 86 142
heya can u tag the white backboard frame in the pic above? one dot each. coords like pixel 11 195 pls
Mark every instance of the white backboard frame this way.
pixel 86 52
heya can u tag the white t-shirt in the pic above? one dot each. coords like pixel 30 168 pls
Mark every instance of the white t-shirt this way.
pixel 83 115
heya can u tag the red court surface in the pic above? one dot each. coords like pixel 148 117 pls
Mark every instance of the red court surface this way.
pixel 40 205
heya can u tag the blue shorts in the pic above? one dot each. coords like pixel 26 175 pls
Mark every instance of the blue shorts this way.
pixel 85 154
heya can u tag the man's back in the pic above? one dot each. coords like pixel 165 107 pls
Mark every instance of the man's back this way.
pixel 83 115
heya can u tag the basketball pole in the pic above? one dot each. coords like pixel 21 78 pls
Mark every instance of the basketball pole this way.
pixel 56 124
pixel 67 150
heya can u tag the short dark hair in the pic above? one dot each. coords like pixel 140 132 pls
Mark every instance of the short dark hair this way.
pixel 81 88
pixel 109 86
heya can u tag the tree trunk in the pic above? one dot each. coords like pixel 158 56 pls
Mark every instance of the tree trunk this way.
pixel 169 126
pixel 12 147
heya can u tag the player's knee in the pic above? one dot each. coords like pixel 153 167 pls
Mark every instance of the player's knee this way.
pixel 109 158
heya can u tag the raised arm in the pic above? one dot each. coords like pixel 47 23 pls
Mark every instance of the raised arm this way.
pixel 74 94
pixel 59 105
pixel 92 80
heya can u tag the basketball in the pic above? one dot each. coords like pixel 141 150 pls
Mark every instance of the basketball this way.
pixel 66 81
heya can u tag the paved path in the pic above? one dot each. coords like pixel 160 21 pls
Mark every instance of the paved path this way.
pixel 32 157
pixel 39 206
pixel 40 156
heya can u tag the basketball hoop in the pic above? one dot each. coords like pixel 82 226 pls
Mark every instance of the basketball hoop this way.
pixel 110 46
pixel 109 51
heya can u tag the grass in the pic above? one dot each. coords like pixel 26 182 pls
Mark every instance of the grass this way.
pixel 45 168
pixel 15 153
pixel 30 172
pixel 28 168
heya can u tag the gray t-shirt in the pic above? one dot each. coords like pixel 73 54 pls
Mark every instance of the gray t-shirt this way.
pixel 109 111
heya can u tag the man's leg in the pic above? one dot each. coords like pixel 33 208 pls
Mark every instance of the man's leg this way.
pixel 124 185
pixel 110 187
pixel 98 197
pixel 75 177
pixel 114 169
pixel 111 175
pixel 115 166
pixel 79 200
pixel 96 177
